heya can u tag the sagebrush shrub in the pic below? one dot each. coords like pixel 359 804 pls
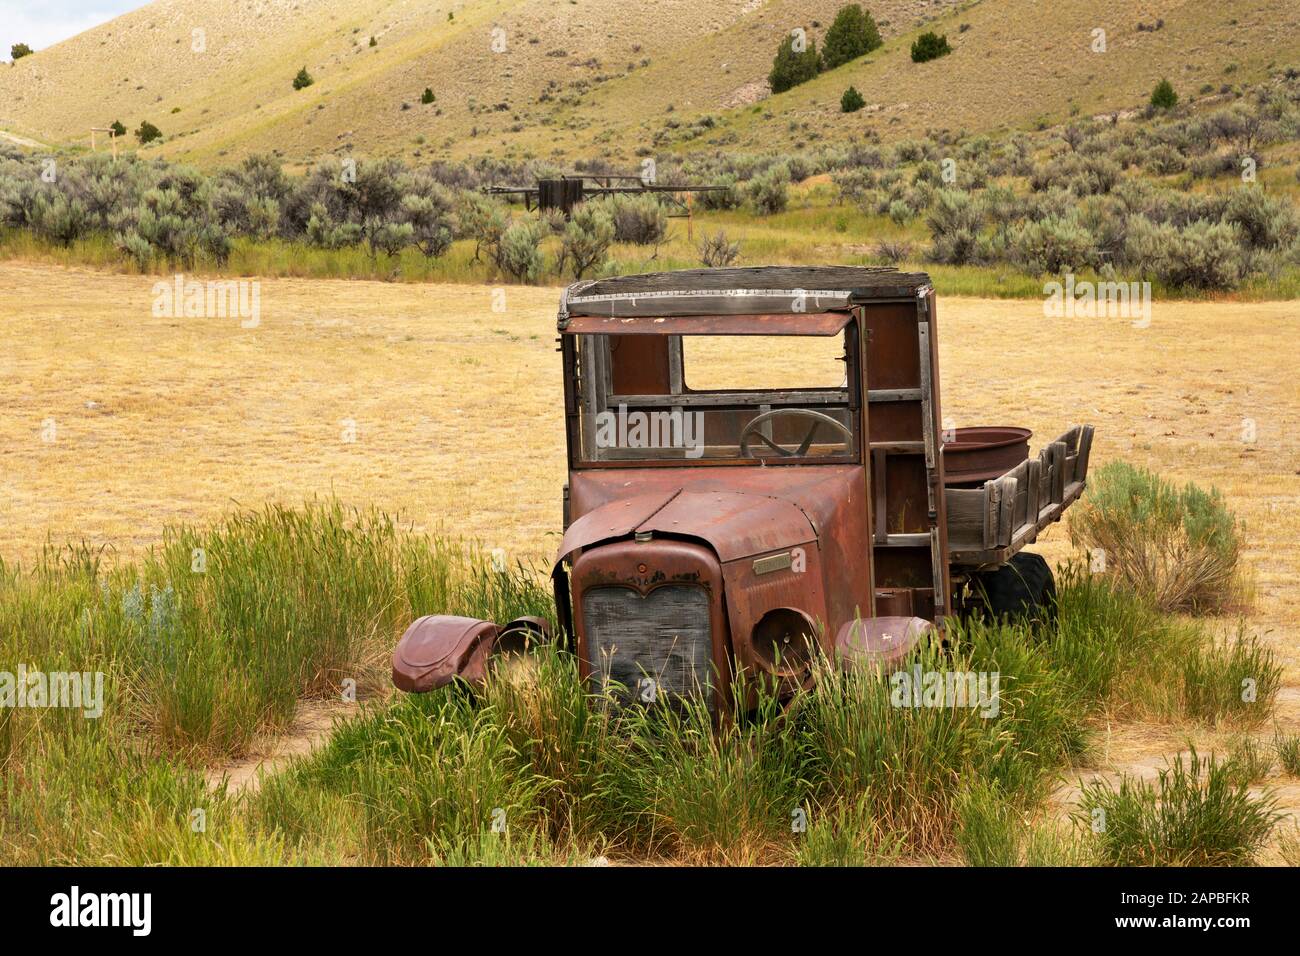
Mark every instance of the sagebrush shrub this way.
pixel 637 219
pixel 769 192
pixel 1200 255
pixel 518 252
pixel 1177 547
pixel 954 221
pixel 1266 222
pixel 728 197
pixel 1055 245
pixel 585 240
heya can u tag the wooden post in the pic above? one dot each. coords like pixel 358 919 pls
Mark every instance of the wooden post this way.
pixel 112 138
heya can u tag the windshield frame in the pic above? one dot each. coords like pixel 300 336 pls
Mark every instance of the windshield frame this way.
pixel 851 397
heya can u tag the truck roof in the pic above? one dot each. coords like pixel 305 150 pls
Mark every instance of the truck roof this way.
pixel 753 290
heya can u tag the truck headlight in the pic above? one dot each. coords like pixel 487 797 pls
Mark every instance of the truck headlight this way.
pixel 784 639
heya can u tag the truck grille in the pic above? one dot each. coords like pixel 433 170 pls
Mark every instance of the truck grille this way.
pixel 662 637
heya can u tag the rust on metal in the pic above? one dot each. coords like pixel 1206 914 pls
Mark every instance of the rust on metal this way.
pixel 782 323
pixel 439 648
pixel 974 455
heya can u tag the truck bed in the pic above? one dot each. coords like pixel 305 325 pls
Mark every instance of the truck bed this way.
pixel 987 525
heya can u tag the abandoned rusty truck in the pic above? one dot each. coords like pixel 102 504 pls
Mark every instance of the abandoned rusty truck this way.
pixel 759 472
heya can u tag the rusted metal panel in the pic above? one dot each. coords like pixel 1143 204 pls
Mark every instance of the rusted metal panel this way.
pixel 644 566
pixel 618 517
pixel 974 455
pixel 824 503
pixel 774 323
pixel 750 597
pixel 880 641
pixel 439 648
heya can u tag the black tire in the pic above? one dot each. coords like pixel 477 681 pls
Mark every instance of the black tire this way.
pixel 1021 589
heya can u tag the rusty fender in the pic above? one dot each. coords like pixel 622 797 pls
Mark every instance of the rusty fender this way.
pixel 438 648
pixel 879 642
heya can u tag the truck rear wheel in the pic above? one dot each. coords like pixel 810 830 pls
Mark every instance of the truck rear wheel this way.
pixel 1021 589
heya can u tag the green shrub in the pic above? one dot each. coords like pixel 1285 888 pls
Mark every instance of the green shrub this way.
pixel 769 192
pixel 302 80
pixel 954 222
pixel 1197 814
pixel 19 50
pixel 790 68
pixel 427 96
pixel 637 219
pixel 1163 96
pixel 1177 548
pixel 147 133
pixel 117 128
pixel 585 240
pixel 929 46
pixel 1052 245
pixel 851 101
pixel 1201 255
pixel 853 34
pixel 518 252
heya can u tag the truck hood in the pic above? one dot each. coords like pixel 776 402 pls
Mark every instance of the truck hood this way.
pixel 774 509
pixel 735 524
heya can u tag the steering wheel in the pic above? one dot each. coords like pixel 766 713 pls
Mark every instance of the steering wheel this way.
pixel 818 418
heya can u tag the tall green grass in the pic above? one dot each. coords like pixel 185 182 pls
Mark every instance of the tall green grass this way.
pixel 210 640
pixel 1198 813
pixel 205 644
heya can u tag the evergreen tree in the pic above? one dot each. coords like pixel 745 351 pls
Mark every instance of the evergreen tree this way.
pixel 853 34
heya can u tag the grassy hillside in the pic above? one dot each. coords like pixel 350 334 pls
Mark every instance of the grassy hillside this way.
pixel 599 77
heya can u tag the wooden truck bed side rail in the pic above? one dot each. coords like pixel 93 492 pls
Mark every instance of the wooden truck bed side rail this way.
pixel 987 525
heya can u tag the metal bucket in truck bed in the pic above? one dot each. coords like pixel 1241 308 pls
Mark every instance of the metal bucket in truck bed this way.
pixel 977 454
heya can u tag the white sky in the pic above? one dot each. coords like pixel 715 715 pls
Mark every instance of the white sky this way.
pixel 42 23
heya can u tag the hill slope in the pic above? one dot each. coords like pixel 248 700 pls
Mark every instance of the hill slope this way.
pixel 596 77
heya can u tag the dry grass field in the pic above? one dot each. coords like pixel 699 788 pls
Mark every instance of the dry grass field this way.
pixel 114 422
pixel 602 77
